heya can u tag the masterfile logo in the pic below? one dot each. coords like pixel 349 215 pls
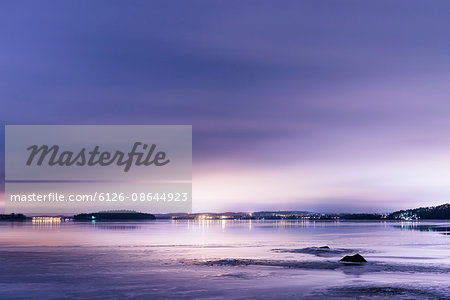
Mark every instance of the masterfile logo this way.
pixel 146 168
pixel 98 152
pixel 53 157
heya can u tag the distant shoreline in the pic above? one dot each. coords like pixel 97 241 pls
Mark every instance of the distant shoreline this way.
pixel 441 212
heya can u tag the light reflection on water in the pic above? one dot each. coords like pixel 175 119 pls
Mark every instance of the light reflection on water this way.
pixel 230 256
pixel 383 237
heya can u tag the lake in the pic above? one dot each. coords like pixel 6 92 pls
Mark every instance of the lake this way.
pixel 223 259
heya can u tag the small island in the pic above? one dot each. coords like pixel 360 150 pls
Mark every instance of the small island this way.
pixel 114 215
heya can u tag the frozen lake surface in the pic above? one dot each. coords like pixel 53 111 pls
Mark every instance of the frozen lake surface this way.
pixel 223 259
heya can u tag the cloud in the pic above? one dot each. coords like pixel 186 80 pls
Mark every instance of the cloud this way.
pixel 296 83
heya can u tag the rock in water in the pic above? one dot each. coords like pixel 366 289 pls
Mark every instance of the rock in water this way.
pixel 354 258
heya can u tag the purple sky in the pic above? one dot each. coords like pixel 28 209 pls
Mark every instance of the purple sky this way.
pixel 311 105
